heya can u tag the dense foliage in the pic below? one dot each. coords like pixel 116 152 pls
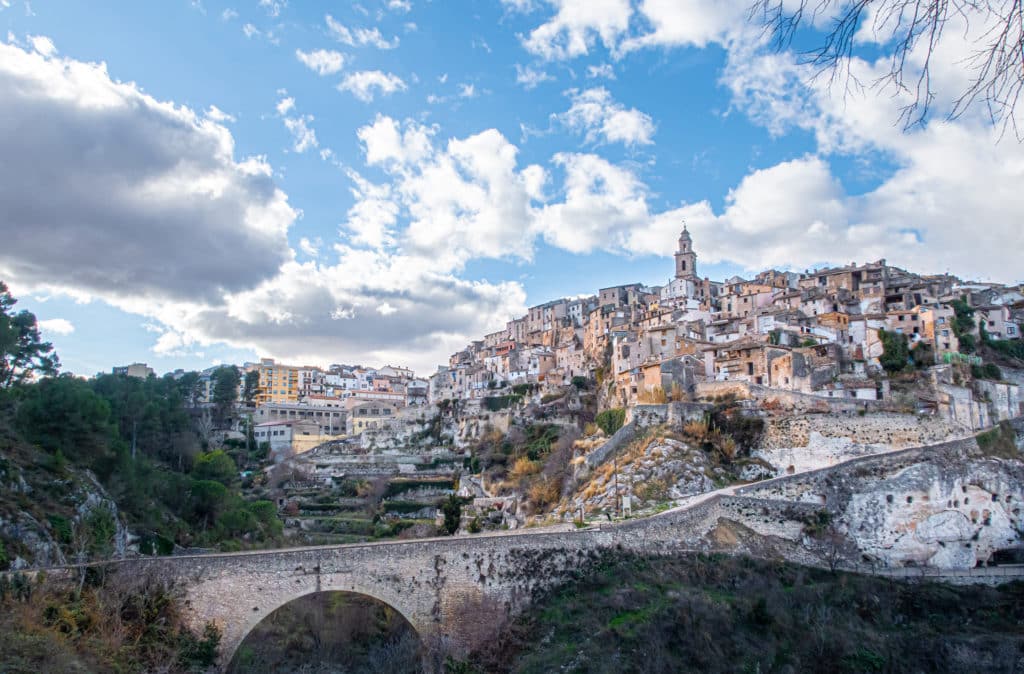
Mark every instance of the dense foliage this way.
pixel 611 420
pixel 141 441
pixel 734 614
pixel 963 325
pixel 111 625
pixel 143 438
pixel 23 353
pixel 895 351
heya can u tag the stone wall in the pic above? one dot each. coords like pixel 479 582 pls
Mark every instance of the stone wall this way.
pixel 1003 399
pixel 882 429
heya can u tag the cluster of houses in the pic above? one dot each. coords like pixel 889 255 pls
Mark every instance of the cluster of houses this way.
pixel 296 407
pixel 816 333
pixel 299 407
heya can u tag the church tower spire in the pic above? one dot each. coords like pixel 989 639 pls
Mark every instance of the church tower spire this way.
pixel 686 258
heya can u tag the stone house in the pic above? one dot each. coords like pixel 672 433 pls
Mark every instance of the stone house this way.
pixel 370 416
pixel 288 437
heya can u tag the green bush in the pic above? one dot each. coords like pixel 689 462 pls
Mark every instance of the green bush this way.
pixel 61 529
pixel 986 371
pixel 237 522
pixel 198 654
pixel 496 403
pixel 895 351
pixel 1014 348
pixel 216 465
pixel 452 510
pixel 208 498
pixel 611 420
pixel 963 325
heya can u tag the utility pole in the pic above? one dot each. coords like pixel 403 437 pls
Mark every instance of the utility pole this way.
pixel 615 464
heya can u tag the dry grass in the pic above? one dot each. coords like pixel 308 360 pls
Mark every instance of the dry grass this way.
pixel 655 396
pixel 696 430
pixel 588 444
pixel 524 467
pixel 545 492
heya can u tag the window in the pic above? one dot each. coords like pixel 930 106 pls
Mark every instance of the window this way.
pixel 1011 329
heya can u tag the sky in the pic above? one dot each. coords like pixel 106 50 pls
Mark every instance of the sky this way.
pixel 189 183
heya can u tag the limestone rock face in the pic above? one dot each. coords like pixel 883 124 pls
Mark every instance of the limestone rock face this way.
pixel 934 514
pixel 663 470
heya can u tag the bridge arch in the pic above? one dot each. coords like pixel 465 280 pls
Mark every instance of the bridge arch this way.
pixel 239 596
pixel 399 627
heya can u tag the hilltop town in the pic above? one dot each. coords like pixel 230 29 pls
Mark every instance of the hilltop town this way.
pixel 821 333
pixel 633 400
pixel 839 333
pixel 860 418
pixel 620 404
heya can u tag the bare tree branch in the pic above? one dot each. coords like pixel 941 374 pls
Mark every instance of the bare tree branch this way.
pixel 911 31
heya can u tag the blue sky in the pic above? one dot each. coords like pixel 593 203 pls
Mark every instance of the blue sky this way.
pixel 380 182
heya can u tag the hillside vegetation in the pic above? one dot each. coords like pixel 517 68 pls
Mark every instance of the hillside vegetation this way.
pixel 84 461
pixel 732 614
pixel 98 624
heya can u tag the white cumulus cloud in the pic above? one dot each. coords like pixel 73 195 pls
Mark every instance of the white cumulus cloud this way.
pixel 322 61
pixel 365 84
pixel 598 116
pixel 358 37
pixel 58 326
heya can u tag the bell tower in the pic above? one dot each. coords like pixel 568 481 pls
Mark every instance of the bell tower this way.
pixel 686 259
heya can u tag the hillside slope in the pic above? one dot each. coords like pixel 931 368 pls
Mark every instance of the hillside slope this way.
pixel 735 614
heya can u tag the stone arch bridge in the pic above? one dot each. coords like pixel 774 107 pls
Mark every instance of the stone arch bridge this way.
pixel 459 592
pixel 455 591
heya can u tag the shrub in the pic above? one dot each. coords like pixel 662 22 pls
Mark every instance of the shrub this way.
pixel 1013 348
pixel 61 528
pixel 999 441
pixel 725 445
pixel 653 490
pixel 199 654
pixel 237 522
pixel 215 465
pixel 895 351
pixel 696 430
pixel 524 467
pixel 497 403
pixel 986 371
pixel 452 510
pixel 545 492
pixel 655 396
pixel 580 382
pixel 611 420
